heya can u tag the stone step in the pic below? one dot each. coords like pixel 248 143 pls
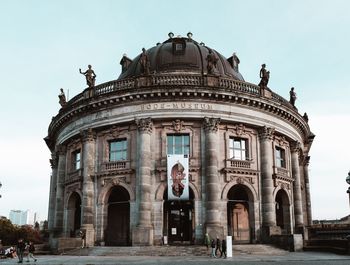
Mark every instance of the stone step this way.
pixel 192 250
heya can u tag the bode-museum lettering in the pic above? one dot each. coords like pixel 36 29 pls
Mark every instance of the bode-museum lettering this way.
pixel 182 105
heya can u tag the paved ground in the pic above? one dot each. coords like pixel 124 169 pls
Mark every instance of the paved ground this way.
pixel 307 258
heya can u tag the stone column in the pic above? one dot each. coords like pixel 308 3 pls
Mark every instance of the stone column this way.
pixel 212 220
pixel 266 168
pixel 143 232
pixel 298 208
pixel 61 172
pixel 88 156
pixel 52 198
pixel 307 190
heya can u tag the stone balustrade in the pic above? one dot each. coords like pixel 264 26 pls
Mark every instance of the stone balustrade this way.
pixel 238 163
pixel 115 165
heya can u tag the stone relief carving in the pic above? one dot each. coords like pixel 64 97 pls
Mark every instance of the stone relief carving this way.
pixel 240 129
pixel 113 181
pixel 178 125
pixel 144 125
pixel 211 124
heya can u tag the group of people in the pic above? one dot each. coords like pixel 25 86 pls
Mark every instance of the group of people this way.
pixel 19 251
pixel 218 247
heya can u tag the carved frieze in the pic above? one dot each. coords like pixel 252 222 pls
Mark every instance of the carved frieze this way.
pixel 144 125
pixel 266 133
pixel 114 181
pixel 211 124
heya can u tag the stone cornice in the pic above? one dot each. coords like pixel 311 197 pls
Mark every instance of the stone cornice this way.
pixel 80 105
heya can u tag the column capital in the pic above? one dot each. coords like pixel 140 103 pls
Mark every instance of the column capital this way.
pixel 306 161
pixel 211 124
pixel 61 149
pixel 295 146
pixel 54 160
pixel 88 135
pixel 144 125
pixel 266 133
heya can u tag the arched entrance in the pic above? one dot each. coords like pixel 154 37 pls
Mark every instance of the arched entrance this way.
pixel 239 217
pixel 179 223
pixel 283 212
pixel 117 232
pixel 74 214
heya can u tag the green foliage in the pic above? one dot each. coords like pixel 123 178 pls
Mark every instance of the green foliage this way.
pixel 9 233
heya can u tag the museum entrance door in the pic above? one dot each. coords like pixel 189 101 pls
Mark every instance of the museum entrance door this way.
pixel 117 232
pixel 179 220
pixel 238 214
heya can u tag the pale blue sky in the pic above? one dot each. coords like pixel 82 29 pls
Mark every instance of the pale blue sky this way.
pixel 305 44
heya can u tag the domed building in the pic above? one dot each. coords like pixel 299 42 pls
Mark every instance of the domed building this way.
pixel 178 146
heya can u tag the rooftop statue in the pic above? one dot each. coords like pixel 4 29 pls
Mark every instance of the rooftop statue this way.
pixel 144 62
pixel 62 98
pixel 211 62
pixel 306 117
pixel 293 96
pixel 90 76
pixel 265 76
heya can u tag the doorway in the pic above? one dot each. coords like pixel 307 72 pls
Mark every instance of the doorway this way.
pixel 178 219
pixel 238 217
pixel 283 212
pixel 74 214
pixel 117 232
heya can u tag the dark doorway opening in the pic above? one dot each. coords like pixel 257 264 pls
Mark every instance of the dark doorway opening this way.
pixel 179 220
pixel 74 214
pixel 117 232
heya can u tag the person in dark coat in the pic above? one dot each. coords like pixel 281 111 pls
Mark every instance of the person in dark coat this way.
pixel 31 250
pixel 20 250
pixel 223 248
pixel 218 246
pixel 213 245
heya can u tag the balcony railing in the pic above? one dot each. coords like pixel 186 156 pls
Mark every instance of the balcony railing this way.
pixel 116 165
pixel 238 163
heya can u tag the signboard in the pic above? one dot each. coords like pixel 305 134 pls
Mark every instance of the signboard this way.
pixel 229 246
pixel 177 172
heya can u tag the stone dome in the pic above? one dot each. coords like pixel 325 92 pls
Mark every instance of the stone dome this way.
pixel 181 55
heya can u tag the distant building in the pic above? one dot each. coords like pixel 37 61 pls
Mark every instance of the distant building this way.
pixel 19 217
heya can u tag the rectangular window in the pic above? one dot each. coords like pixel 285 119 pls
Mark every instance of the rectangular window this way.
pixel 178 144
pixel 118 150
pixel 280 157
pixel 238 148
pixel 76 160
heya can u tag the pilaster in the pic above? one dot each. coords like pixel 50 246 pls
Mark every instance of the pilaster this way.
pixel 212 222
pixel 266 135
pixel 295 148
pixel 143 232
pixel 89 149
pixel 307 189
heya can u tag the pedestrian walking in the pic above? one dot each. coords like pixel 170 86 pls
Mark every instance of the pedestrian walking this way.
pixel 20 250
pixel 207 240
pixel 218 246
pixel 213 245
pixel 31 250
pixel 223 249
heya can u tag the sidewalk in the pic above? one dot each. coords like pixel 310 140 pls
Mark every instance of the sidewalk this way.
pixel 288 258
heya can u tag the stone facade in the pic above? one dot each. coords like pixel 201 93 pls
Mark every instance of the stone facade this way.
pixel 109 158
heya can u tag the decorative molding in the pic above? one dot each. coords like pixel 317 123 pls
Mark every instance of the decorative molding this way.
pixel 114 181
pixel 211 124
pixel 178 125
pixel 88 135
pixel 266 133
pixel 73 187
pixel 240 129
pixel 74 145
pixel 281 141
pixel 144 125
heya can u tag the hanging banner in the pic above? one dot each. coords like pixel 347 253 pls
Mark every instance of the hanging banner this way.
pixel 177 172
